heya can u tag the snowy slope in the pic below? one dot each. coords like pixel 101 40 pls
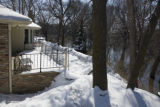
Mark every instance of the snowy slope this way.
pixel 79 92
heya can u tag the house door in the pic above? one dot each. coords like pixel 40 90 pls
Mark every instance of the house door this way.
pixel 26 37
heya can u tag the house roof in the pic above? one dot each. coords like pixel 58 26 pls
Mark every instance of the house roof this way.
pixel 33 26
pixel 9 16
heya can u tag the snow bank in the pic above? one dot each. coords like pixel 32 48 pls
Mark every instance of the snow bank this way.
pixel 79 93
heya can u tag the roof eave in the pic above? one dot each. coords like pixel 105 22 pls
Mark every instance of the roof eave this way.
pixel 17 22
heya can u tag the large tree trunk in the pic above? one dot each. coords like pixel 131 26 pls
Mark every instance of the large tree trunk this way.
pixel 143 47
pixel 63 30
pixel 99 44
pixel 59 31
pixel 154 67
pixel 132 34
pixel 153 72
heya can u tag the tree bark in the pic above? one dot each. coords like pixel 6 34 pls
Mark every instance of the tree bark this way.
pixel 153 72
pixel 99 44
pixel 143 47
pixel 120 65
pixel 132 34
pixel 59 31
pixel 63 30
pixel 154 67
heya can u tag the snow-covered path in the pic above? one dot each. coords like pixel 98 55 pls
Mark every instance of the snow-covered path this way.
pixel 79 92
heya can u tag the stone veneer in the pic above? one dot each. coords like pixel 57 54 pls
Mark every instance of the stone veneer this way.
pixel 4 57
pixel 32 83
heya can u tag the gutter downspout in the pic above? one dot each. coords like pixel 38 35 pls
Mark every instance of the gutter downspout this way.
pixel 10 59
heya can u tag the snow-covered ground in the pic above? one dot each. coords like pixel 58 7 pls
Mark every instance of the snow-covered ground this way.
pixel 75 90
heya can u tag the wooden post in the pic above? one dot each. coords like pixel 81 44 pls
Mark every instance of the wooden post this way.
pixel 10 59
pixel 40 62
pixel 13 65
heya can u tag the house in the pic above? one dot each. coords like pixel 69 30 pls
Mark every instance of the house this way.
pixel 30 33
pixel 25 35
pixel 16 34
pixel 9 22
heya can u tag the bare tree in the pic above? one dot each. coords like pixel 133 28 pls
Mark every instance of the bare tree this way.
pixel 132 33
pixel 43 18
pixel 99 44
pixel 148 33
pixel 58 8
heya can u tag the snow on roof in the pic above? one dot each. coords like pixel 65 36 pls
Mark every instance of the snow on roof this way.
pixel 33 26
pixel 10 16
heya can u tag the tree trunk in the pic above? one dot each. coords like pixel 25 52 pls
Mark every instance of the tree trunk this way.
pixel 63 30
pixel 153 72
pixel 143 47
pixel 99 44
pixel 23 6
pixel 120 64
pixel 154 67
pixel 19 6
pixel 59 31
pixel 132 34
pixel 13 5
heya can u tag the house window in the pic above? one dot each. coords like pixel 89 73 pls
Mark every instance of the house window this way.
pixel 26 36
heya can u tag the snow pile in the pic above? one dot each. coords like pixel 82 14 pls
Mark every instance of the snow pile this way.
pixel 8 14
pixel 78 91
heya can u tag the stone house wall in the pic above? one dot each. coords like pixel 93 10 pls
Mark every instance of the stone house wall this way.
pixel 4 57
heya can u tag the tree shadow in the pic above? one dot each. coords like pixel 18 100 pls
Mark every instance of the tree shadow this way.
pixel 101 99
pixel 139 99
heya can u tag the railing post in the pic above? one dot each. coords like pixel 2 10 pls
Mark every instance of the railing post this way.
pixel 40 62
pixel 44 49
pixel 51 52
pixel 41 47
pixel 65 63
pixel 66 58
pixel 57 57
